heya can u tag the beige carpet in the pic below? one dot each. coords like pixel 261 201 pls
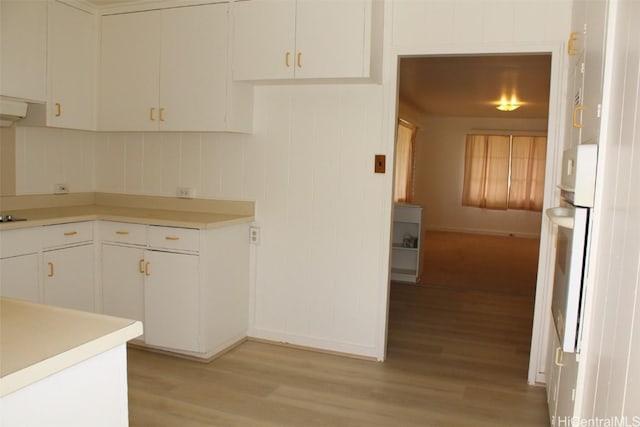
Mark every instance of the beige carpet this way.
pixel 480 262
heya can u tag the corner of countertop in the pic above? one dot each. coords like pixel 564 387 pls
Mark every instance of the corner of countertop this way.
pixel 37 201
pixel 225 207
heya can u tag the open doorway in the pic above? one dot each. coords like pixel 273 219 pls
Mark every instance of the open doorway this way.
pixel 474 297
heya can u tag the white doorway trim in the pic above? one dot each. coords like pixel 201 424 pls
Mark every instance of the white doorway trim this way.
pixel 556 127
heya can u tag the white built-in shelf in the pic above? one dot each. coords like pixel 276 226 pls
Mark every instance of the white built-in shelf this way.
pixel 405 243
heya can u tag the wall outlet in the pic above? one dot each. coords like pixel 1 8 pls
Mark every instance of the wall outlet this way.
pixel 60 189
pixel 254 235
pixel 185 192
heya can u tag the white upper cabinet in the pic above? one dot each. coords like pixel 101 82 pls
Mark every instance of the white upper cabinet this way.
pixel 264 39
pixel 168 70
pixel 302 39
pixel 72 67
pixel 23 49
pixel 193 68
pixel 129 80
pixel 330 38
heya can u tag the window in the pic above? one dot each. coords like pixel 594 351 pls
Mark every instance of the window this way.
pixel 403 186
pixel 504 172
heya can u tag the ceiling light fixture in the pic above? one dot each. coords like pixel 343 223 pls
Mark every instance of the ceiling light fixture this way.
pixel 511 105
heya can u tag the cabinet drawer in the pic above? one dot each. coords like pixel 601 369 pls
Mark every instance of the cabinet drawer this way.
pixel 183 239
pixel 123 232
pixel 66 234
pixel 19 242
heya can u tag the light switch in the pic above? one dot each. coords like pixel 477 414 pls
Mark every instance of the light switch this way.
pixel 380 163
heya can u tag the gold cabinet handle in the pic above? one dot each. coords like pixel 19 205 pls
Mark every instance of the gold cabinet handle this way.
pixel 571 44
pixel 172 238
pixel 577 110
pixel 141 266
pixel 147 268
pixel 299 60
pixel 162 114
pixel 287 56
pixel 122 233
pixel 51 272
pixel 70 233
pixel 152 112
pixel 58 109
pixel 557 360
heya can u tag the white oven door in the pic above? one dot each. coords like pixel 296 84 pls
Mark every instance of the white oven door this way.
pixel 571 246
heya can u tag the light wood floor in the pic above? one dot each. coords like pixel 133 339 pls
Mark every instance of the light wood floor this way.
pixel 456 357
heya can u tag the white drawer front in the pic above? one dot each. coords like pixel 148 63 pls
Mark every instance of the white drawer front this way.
pixel 183 239
pixel 123 232
pixel 19 242
pixel 66 234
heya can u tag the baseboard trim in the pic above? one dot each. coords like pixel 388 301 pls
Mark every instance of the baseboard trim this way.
pixel 313 349
pixel 498 233
pixel 314 344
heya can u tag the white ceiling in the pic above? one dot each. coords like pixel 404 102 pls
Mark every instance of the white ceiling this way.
pixel 473 85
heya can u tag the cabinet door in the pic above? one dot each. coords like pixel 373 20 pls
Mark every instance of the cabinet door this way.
pixel 19 277
pixel 330 38
pixel 23 49
pixel 193 68
pixel 552 371
pixel 72 67
pixel 171 300
pixel 68 277
pixel 264 39
pixel 568 378
pixel 129 80
pixel 123 281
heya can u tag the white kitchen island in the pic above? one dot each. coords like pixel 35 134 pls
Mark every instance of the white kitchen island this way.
pixel 61 367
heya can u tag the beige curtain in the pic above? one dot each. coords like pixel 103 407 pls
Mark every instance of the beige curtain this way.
pixel 486 174
pixel 403 186
pixel 528 155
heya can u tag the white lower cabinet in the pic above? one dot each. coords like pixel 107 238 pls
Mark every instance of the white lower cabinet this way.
pixel 123 281
pixel 68 277
pixel 189 287
pixel 171 300
pixel 562 371
pixel 19 277
pixel 19 264
pixel 50 265
pixel 67 265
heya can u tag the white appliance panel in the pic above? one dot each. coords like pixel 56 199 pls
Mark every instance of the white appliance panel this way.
pixel 568 291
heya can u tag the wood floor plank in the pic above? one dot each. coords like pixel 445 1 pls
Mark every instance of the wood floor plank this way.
pixel 457 356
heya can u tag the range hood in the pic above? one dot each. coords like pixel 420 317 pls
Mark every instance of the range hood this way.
pixel 11 110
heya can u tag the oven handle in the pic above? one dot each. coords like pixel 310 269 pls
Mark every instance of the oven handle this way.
pixel 562 217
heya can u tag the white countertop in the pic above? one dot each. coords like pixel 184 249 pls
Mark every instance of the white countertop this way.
pixel 38 340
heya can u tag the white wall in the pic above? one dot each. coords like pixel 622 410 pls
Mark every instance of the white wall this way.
pixel 156 164
pixel 439 176
pixel 477 22
pixel 611 344
pixel 46 156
